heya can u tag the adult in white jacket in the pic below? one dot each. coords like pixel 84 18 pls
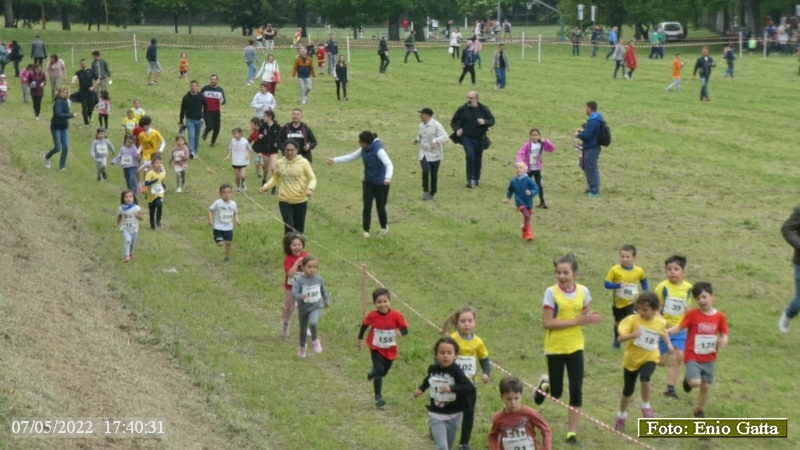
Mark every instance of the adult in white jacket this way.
pixel 263 100
pixel 268 72
pixel 455 43
pixel 431 138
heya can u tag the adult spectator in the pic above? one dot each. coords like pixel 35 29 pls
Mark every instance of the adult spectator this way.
pixel 299 132
pixel 59 128
pixel 613 37
pixel 411 46
pixel 590 135
pixel 269 38
pixel 269 73
pixel 296 183
pixel 87 81
pixel 303 70
pixel 4 57
pixel 36 81
pixel 470 124
pixel 477 48
pixel 630 61
pixel 250 58
pixel 56 72
pixel 703 65
pixel 153 67
pixel 263 100
pixel 791 232
pixel 597 35
pixel 38 51
pixel 15 56
pixel 332 49
pixel 383 52
pixel 378 170
pixel 506 29
pixel 193 109
pixel 215 98
pixel 618 56
pixel 431 138
pixel 100 68
pixel 467 63
pixel 576 38
pixel 455 43
pixel 501 65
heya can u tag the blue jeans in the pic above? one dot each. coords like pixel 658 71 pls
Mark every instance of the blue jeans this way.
pixel 704 88
pixel 251 71
pixel 130 178
pixel 332 63
pixel 61 144
pixel 474 157
pixel 478 60
pixel 794 307
pixel 729 70
pixel 500 72
pixel 592 168
pixel 193 128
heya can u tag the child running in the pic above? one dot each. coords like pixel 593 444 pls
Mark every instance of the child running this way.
pixel 523 189
pixel 222 215
pixel 99 152
pixel 641 331
pixel 180 160
pixel 450 393
pixel 293 246
pixel 565 310
pixel 386 326
pixel 151 143
pixel 129 123
pixel 155 188
pixel 239 153
pixel 515 426
pixel 255 124
pixel 321 58
pixel 622 278
pixel 138 112
pixel 104 109
pixel 128 217
pixel 183 66
pixel 128 158
pixel 311 295
pixel 707 335
pixel 471 351
pixel 675 296
pixel 3 88
pixel 531 154
pixel 677 67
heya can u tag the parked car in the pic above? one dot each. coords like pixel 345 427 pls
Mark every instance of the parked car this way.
pixel 673 31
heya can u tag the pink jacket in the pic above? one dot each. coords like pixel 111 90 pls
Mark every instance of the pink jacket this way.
pixel 524 153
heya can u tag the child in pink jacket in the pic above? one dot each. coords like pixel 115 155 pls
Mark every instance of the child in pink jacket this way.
pixel 531 154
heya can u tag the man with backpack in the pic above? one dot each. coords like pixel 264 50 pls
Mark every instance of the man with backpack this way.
pixel 594 134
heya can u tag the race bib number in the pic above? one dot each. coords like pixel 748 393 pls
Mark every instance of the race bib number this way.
pixel 129 223
pixel 178 157
pixel 157 189
pixel 3 88
pixel 648 340
pixel 518 443
pixel 384 338
pixel 467 364
pixel 627 291
pixel 674 306
pixel 130 126
pixel 705 344
pixel 226 216
pixel 126 160
pixel 101 151
pixel 313 293
pixel 437 383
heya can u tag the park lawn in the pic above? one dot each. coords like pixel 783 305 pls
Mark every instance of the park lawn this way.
pixel 713 181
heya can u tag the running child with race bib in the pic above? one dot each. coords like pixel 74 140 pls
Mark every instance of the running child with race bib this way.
pixel 128 219
pixel 293 247
pixel 222 215
pixel 311 295
pixel 623 279
pixel 128 158
pixel 154 188
pixel 675 295
pixel 99 152
pixel 180 160
pixel 515 426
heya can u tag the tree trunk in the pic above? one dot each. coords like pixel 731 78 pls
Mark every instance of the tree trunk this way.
pixel 44 17
pixel 189 20
pixel 300 15
pixel 394 28
pixel 420 27
pixel 642 31
pixel 244 30
pixel 9 13
pixel 66 25
pixel 175 21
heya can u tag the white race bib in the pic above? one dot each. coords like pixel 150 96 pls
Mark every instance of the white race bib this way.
pixel 157 188
pixel 648 340
pixel 383 338
pixel 627 291
pixel 518 443
pixel 3 88
pixel 177 157
pixel 313 293
pixel 129 223
pixel 226 216
pixel 674 306
pixel 705 344
pixel 101 151
pixel 126 160
pixel 467 364
pixel 437 383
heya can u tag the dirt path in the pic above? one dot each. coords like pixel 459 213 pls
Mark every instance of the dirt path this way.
pixel 67 347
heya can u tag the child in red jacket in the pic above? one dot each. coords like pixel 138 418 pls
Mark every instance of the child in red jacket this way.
pixel 321 58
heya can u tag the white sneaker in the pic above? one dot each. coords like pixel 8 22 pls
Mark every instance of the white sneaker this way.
pixel 179 190
pixel 385 231
pixel 244 187
pixel 784 323
pixel 366 234
pixel 46 161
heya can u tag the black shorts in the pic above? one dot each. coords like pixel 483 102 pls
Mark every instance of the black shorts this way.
pixel 621 313
pixel 238 167
pixel 223 236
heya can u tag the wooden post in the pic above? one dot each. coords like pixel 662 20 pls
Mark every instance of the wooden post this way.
pixel 364 294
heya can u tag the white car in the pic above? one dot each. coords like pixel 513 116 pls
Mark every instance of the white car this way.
pixel 673 31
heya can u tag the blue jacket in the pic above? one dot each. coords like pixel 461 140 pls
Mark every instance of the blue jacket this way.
pixel 61 114
pixel 517 187
pixel 374 169
pixel 591 132
pixel 612 37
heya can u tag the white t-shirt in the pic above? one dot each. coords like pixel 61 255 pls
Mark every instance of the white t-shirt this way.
pixel 240 152
pixel 535 154
pixel 223 214
pixel 128 221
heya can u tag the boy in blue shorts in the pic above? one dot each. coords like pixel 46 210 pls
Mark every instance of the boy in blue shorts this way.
pixel 623 279
pixel 675 297
pixel 222 214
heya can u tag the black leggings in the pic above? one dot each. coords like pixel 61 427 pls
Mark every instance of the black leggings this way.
pixel 294 216
pixel 537 177
pixel 644 373
pixel 155 212
pixel 342 83
pixel 467 69
pixel 380 194
pixel 574 366
pixel 468 419
pixel 37 104
pixel 103 118
pixel 380 368
pixel 213 122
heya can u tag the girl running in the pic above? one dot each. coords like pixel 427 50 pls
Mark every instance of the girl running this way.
pixel 128 217
pixel 311 295
pixel 531 154
pixel 294 247
pixel 180 161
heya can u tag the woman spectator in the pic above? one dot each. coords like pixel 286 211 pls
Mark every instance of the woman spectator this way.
pixel 296 182
pixel 269 39
pixel 59 128
pixel 378 171
pixel 56 71
pixel 455 43
pixel 36 81
pixel 269 73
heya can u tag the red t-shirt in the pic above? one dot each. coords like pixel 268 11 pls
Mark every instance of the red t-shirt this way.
pixel 137 130
pixel 703 335
pixel 519 426
pixel 390 321
pixel 321 53
pixel 253 137
pixel 288 262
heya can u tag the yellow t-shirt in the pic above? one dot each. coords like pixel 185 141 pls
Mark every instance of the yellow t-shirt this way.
pixel 566 306
pixel 150 142
pixel 630 279
pixel 137 114
pixel 155 190
pixel 129 125
pixel 470 352
pixel 644 348
pixel 675 300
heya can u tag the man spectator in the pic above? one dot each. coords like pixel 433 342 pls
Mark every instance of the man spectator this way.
pixel 597 36
pixel 332 49
pixel 38 51
pixel 613 36
pixel 470 124
pixel 153 67
pixel 590 135
pixel 431 139
pixel 791 233
pixel 576 38
pixel 215 98
pixel 303 70
pixel 501 65
pixel 193 109
pixel 298 131
pixel 250 57
pixel 87 81
pixel 467 63
pixel 383 52
pixel 704 65
pixel 101 70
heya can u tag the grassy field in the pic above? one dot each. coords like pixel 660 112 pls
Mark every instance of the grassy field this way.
pixel 711 180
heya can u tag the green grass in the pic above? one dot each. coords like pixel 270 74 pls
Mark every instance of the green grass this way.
pixel 712 180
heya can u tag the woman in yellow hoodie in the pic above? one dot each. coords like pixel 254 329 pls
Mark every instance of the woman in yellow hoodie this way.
pixel 296 182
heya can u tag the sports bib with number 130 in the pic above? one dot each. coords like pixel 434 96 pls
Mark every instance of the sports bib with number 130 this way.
pixel 313 293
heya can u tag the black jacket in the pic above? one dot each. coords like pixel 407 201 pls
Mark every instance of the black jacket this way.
pixel 193 106
pixel 466 118
pixel 791 232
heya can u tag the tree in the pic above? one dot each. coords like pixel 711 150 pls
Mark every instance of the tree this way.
pixel 344 13
pixel 8 13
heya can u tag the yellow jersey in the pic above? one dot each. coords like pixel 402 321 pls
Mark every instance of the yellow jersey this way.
pixel 630 279
pixel 151 141
pixel 675 300
pixel 644 348
pixel 565 305
pixel 129 125
pixel 155 190
pixel 470 352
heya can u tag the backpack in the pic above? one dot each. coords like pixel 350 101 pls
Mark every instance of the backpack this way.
pixel 604 138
